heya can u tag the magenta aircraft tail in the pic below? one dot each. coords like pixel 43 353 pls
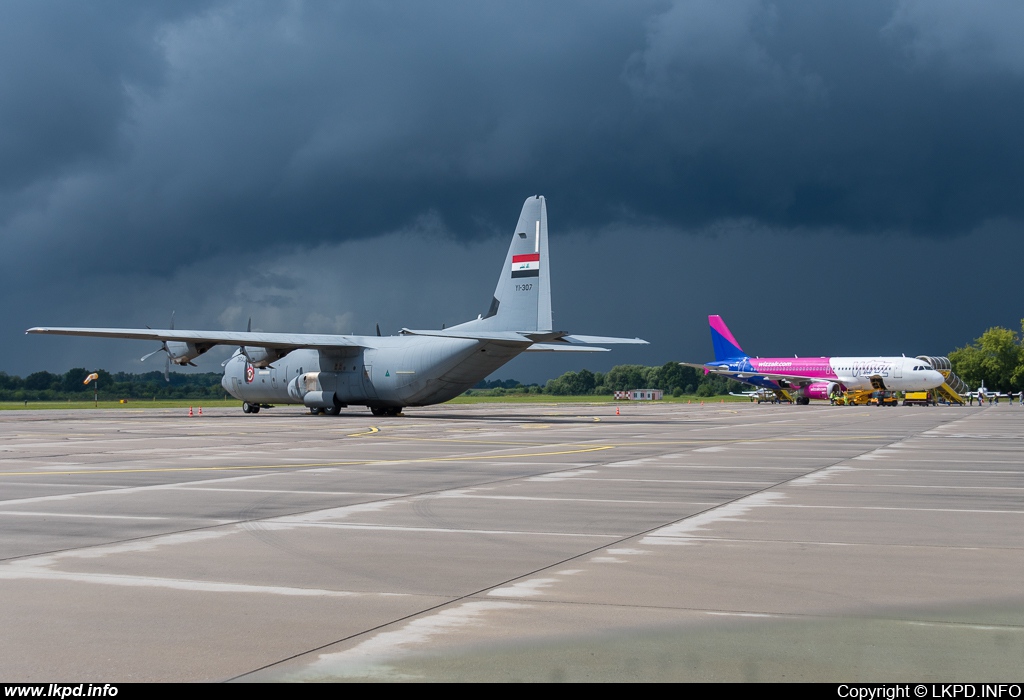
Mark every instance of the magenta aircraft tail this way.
pixel 726 347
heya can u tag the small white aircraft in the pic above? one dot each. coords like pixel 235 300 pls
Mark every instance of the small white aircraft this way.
pixel 760 396
pixel 984 393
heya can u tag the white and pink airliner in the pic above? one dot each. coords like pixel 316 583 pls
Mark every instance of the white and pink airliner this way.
pixel 806 378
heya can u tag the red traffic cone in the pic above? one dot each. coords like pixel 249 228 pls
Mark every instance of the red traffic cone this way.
pixel 189 411
pixel 617 411
pixel 702 403
pixel 200 410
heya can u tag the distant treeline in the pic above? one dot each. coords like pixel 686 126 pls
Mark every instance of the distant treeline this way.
pixel 995 358
pixel 45 386
pixel 672 378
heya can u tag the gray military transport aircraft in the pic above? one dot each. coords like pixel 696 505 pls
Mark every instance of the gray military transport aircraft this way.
pixel 416 368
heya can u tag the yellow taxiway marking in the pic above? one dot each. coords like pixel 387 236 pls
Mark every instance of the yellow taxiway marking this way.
pixel 371 431
pixel 466 441
pixel 312 465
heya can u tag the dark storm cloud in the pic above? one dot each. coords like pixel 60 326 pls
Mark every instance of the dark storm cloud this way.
pixel 206 145
pixel 167 137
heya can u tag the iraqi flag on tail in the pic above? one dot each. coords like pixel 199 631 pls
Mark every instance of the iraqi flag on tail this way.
pixel 526 265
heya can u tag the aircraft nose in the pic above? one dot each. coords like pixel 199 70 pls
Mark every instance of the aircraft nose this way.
pixel 936 377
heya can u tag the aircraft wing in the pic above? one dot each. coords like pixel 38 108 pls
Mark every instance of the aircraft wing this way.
pixel 293 341
pixel 740 375
pixel 542 341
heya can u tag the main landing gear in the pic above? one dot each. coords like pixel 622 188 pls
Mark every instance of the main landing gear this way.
pixel 329 411
pixel 250 407
pixel 386 411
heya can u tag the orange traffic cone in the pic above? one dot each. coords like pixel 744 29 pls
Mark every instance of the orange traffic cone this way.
pixel 200 410
pixel 189 411
pixel 617 411
pixel 701 403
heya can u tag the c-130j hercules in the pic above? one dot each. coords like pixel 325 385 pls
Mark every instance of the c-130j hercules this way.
pixel 416 368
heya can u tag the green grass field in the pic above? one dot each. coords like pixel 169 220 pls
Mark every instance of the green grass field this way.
pixel 132 404
pixel 548 398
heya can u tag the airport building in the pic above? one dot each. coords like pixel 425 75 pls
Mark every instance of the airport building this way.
pixel 640 395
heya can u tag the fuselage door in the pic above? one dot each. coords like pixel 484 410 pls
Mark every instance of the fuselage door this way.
pixel 898 370
pixel 368 387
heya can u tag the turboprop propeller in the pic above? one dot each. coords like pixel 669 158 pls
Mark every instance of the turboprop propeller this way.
pixel 177 352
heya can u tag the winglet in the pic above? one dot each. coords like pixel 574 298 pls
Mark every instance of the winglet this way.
pixel 726 347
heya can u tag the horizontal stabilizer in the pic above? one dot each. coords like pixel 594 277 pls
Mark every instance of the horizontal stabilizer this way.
pixel 564 347
pixel 494 336
pixel 697 365
pixel 603 340
pixel 543 341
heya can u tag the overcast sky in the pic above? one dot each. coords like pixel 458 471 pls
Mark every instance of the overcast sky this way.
pixel 831 178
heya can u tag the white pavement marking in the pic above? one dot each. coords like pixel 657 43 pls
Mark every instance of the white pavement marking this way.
pixel 561 476
pixel 118 491
pixel 310 493
pixel 821 475
pixel 523 589
pixel 39 514
pixel 20 570
pixel 288 524
pixel 365 658
pixel 682 532
pixel 923 510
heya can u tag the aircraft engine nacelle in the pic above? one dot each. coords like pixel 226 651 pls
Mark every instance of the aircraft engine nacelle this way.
pixel 306 388
pixel 822 390
pixel 263 357
pixel 304 384
pixel 183 353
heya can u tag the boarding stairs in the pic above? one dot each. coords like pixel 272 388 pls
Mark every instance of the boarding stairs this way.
pixel 783 395
pixel 954 387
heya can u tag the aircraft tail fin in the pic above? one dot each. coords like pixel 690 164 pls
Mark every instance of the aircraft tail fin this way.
pixel 726 347
pixel 522 299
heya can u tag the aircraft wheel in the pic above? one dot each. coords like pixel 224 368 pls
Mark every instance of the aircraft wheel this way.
pixel 246 408
pixel 255 408
pixel 378 411
pixel 333 410
pixel 313 411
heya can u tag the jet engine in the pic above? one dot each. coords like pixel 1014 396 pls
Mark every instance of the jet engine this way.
pixel 821 390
